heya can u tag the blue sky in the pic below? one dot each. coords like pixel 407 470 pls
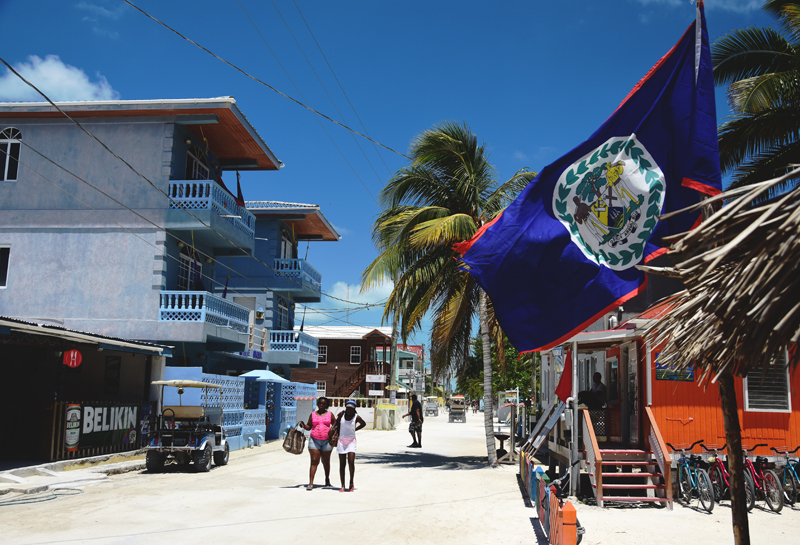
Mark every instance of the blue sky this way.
pixel 531 78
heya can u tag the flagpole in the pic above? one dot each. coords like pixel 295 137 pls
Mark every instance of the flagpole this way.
pixel 575 471
pixel 698 39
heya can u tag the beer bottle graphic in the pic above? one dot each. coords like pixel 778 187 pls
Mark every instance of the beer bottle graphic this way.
pixel 73 428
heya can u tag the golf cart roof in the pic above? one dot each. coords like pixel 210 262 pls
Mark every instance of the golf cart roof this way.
pixel 457 397
pixel 185 384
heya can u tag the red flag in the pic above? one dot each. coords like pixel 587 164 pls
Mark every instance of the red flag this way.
pixel 564 389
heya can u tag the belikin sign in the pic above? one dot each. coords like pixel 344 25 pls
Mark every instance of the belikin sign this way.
pixel 100 426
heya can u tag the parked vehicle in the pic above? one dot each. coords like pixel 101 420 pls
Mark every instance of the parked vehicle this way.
pixel 789 475
pixel 766 480
pixel 187 433
pixel 692 479
pixel 720 478
pixel 458 409
pixel 431 406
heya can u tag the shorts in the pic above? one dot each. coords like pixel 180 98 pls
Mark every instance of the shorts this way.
pixel 415 427
pixel 321 445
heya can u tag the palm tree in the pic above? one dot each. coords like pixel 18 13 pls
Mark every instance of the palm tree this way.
pixel 442 198
pixel 761 67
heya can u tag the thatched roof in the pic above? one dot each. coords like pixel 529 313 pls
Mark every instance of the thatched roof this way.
pixel 741 307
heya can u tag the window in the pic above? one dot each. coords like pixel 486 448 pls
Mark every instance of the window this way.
pixel 189 271
pixel 283 315
pixel 196 164
pixel 10 142
pixel 321 388
pixel 287 247
pixel 355 355
pixel 770 392
pixel 4 253
pixel 322 356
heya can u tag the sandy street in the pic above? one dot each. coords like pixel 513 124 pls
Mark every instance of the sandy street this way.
pixel 441 494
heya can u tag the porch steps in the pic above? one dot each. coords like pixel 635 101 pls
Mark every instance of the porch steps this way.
pixel 645 480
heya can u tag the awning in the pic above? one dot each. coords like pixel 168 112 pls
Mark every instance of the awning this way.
pixel 263 375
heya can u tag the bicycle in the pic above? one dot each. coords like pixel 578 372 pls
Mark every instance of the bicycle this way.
pixel 720 478
pixel 789 478
pixel 766 480
pixel 562 492
pixel 692 478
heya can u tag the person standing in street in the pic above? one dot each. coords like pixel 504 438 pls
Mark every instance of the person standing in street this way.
pixel 415 427
pixel 348 423
pixel 319 422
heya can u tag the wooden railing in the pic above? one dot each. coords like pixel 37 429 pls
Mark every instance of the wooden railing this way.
pixel 358 377
pixel 593 457
pixel 659 448
pixel 563 522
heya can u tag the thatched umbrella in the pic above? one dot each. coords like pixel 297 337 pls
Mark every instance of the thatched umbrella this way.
pixel 741 306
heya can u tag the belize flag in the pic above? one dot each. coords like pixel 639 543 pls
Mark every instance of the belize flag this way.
pixel 565 251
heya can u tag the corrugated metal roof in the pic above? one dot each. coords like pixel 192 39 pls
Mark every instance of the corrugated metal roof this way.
pixel 278 205
pixel 342 332
pixel 79 336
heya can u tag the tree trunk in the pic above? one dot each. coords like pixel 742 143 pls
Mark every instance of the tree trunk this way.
pixel 733 435
pixel 488 395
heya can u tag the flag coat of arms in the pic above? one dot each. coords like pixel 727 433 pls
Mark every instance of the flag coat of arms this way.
pixel 565 251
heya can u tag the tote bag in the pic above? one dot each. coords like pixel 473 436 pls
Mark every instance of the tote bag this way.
pixel 295 441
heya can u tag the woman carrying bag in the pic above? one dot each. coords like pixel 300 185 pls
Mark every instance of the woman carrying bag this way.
pixel 319 422
pixel 346 426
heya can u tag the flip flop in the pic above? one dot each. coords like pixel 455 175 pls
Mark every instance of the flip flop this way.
pixel 352 488
pixel 341 489
pixel 310 487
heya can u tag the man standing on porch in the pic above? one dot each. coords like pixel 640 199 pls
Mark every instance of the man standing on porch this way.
pixel 599 390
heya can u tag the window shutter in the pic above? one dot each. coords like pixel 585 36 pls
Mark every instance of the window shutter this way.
pixel 770 392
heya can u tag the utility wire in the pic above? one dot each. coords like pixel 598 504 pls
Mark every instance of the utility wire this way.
pixel 267 85
pixel 186 243
pixel 154 186
pixel 353 136
pixel 304 98
pixel 340 86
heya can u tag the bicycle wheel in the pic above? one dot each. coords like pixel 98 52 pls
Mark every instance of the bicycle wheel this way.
pixel 705 490
pixel 789 487
pixel 749 491
pixel 718 482
pixel 773 491
pixel 685 483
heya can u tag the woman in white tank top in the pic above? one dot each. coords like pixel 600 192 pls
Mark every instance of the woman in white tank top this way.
pixel 348 422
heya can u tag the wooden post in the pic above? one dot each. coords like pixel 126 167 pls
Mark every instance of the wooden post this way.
pixel 733 435
pixel 569 529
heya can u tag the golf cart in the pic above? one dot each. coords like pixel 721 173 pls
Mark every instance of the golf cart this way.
pixel 431 406
pixel 187 433
pixel 458 409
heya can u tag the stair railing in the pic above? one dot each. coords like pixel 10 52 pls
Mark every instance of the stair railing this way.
pixel 593 457
pixel 659 448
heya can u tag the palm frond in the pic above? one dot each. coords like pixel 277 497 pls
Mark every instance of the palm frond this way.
pixel 750 52
pixel 744 135
pixel 787 14
pixel 769 164
pixel 761 93
pixel 444 231
pixel 506 193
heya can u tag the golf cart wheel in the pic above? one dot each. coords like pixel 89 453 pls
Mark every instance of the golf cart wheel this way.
pixel 154 461
pixel 221 457
pixel 202 460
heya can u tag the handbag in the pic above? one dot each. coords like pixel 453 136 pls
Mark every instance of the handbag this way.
pixel 333 434
pixel 295 441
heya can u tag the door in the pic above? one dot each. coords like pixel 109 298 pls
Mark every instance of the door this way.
pixel 630 395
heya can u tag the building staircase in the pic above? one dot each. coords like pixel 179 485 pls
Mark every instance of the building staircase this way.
pixel 352 383
pixel 629 474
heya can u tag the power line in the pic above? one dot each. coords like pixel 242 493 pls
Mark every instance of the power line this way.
pixel 137 8
pixel 151 223
pixel 304 98
pixel 178 204
pixel 340 85
pixel 323 88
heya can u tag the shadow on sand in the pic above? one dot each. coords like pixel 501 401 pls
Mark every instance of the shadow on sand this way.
pixel 423 459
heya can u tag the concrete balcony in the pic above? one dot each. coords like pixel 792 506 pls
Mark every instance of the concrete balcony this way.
pixel 293 348
pixel 299 278
pixel 198 316
pixel 216 208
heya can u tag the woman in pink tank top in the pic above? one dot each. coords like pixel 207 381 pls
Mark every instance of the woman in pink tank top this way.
pixel 319 422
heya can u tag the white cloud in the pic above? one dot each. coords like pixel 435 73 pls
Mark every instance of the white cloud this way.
pixel 57 80
pixel 94 11
pixel 335 307
pixel 519 156
pixel 738 6
pixel 341 230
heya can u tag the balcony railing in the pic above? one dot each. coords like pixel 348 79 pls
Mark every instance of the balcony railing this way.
pixel 209 195
pixel 301 270
pixel 293 341
pixel 200 306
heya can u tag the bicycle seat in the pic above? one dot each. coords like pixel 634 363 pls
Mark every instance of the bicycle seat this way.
pixel 761 459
